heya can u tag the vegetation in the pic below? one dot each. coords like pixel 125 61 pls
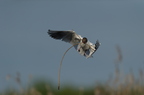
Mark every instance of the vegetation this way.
pixel 118 84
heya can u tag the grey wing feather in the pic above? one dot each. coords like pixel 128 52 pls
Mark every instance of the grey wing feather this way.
pixel 62 35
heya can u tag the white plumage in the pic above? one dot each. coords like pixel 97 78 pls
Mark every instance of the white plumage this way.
pixel 81 44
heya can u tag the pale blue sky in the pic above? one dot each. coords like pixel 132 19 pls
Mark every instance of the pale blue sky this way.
pixel 25 46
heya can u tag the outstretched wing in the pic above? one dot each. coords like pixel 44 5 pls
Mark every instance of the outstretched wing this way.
pixel 89 49
pixel 92 49
pixel 61 35
pixel 67 36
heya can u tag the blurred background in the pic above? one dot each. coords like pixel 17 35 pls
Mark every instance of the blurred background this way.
pixel 28 54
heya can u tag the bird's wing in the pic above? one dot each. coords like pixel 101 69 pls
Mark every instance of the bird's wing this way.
pixel 92 49
pixel 89 49
pixel 67 36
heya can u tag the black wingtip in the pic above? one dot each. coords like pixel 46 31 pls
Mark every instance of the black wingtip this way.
pixel 48 31
pixel 97 44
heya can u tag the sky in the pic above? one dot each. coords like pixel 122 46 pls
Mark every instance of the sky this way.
pixel 26 48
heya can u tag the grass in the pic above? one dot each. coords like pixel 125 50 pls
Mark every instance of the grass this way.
pixel 117 84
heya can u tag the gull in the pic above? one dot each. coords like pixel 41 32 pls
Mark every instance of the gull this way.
pixel 81 44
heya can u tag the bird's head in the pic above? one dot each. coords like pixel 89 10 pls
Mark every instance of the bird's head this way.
pixel 84 40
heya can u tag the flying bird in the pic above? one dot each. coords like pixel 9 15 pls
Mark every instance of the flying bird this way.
pixel 81 44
